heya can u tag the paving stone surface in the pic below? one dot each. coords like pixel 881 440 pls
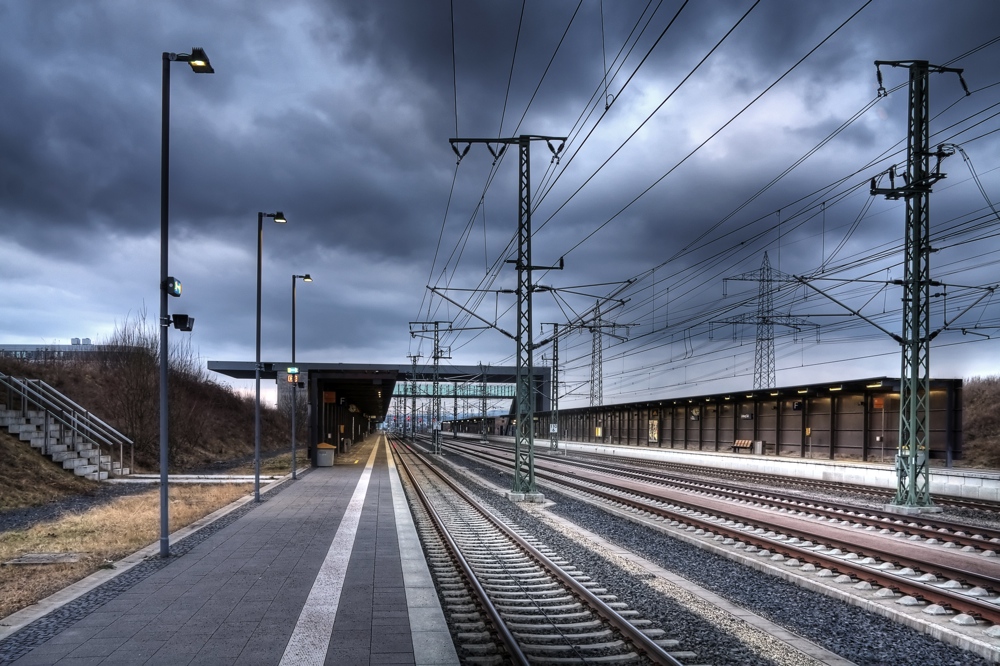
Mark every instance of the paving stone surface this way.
pixel 232 592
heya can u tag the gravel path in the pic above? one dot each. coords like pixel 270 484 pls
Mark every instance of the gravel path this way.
pixel 16 519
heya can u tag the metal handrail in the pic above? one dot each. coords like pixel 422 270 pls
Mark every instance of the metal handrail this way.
pixel 41 396
pixel 96 422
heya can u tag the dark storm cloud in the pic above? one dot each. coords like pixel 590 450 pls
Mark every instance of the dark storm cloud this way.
pixel 339 112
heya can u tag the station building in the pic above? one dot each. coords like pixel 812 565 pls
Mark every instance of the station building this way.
pixel 851 420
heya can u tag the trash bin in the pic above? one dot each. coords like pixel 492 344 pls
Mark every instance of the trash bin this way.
pixel 324 454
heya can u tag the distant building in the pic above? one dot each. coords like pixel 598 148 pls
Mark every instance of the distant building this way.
pixel 47 352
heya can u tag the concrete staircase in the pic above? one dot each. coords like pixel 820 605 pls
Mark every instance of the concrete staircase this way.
pixel 56 427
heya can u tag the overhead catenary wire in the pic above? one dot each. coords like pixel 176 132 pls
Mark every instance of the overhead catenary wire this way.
pixel 827 259
pixel 712 228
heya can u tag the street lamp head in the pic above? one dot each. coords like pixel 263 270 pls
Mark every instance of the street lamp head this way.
pixel 307 278
pixel 278 217
pixel 199 61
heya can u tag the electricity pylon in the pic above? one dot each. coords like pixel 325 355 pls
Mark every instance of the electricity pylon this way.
pixel 482 397
pixel 596 364
pixel 597 332
pixel 912 468
pixel 396 405
pixel 454 411
pixel 554 400
pixel 765 375
pixel 554 393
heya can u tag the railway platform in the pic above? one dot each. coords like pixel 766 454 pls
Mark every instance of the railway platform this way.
pixel 326 569
pixel 966 483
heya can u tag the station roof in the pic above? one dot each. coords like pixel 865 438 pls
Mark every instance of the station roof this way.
pixel 367 386
pixel 794 391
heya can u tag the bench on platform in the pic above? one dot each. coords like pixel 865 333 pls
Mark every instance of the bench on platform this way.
pixel 742 444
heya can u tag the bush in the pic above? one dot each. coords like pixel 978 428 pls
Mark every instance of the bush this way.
pixel 119 383
pixel 981 420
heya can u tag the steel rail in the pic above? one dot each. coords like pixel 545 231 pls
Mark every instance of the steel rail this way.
pixel 943 500
pixel 503 632
pixel 764 479
pixel 633 634
pixel 970 605
pixel 929 527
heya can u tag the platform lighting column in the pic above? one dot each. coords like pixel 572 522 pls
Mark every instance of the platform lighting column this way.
pixel 200 65
pixel 295 384
pixel 279 218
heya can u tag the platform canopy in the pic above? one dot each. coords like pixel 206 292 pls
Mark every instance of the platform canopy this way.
pixel 369 387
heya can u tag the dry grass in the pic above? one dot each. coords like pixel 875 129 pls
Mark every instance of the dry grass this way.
pixel 981 421
pixel 101 536
pixel 209 422
pixel 28 479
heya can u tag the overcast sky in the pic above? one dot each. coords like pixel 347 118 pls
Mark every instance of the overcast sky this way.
pixel 700 135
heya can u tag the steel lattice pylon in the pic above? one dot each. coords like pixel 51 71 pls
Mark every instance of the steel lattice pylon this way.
pixel 436 396
pixel 413 396
pixel 764 371
pixel 421 328
pixel 597 361
pixel 524 441
pixel 554 400
pixel 482 398
pixel 524 471
pixel 913 486
pixel 764 375
pixel 598 329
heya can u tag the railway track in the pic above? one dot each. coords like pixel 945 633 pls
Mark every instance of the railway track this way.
pixel 511 599
pixel 928 528
pixel 950 582
pixel 807 485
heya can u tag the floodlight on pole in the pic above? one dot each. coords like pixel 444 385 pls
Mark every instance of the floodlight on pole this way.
pixel 279 218
pixel 199 62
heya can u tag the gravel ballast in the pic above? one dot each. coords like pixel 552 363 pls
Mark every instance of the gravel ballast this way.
pixel 846 630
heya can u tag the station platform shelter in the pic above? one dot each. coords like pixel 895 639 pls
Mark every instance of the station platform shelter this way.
pixel 847 420
pixel 344 402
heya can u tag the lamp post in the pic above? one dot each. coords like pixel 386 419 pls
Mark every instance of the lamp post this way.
pixel 200 65
pixel 295 385
pixel 279 218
